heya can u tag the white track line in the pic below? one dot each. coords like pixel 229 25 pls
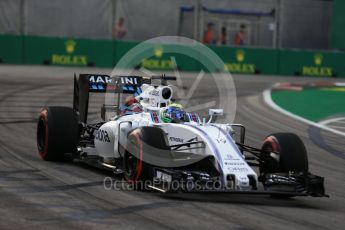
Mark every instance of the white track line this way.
pixel 268 100
pixel 333 120
pixel 336 126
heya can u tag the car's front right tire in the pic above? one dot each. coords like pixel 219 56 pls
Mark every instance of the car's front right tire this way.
pixel 142 142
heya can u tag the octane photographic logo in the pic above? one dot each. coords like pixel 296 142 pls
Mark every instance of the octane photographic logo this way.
pixel 210 88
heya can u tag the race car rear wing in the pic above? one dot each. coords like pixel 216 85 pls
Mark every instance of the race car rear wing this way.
pixel 98 83
pixel 81 96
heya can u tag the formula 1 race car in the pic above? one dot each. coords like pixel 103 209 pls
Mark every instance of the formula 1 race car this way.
pixel 150 138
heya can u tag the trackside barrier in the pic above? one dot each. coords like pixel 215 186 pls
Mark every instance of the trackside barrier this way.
pixel 65 51
pixel 312 63
pixel 11 49
pixel 248 60
pixel 106 53
pixel 157 56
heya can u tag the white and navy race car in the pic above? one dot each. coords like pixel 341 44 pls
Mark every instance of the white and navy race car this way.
pixel 150 139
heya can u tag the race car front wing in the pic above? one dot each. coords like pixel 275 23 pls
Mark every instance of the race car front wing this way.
pixel 289 184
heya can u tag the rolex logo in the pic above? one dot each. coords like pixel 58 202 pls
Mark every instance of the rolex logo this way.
pixel 70 46
pixel 318 59
pixel 158 52
pixel 240 55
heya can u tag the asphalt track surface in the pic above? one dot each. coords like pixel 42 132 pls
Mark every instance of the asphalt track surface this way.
pixel 47 195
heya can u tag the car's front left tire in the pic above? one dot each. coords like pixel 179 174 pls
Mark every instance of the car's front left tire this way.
pixel 286 154
pixel 288 150
pixel 57 133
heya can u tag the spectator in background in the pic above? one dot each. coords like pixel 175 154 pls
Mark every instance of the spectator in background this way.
pixel 119 31
pixel 222 36
pixel 241 36
pixel 209 35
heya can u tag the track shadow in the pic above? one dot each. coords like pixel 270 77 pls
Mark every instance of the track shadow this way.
pixel 225 198
pixel 245 199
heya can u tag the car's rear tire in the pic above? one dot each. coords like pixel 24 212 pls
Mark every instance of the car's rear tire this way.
pixel 57 133
pixel 290 153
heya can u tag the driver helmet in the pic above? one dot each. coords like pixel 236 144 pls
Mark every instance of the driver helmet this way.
pixel 173 113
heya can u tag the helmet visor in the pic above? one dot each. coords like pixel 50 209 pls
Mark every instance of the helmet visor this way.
pixel 175 113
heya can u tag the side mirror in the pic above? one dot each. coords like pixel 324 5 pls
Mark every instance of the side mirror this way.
pixel 216 112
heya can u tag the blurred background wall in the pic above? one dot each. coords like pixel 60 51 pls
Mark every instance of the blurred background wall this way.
pixel 338 25
pixel 62 18
pixel 300 23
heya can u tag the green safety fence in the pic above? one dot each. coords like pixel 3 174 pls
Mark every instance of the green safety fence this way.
pixel 154 56
pixel 11 49
pixel 167 56
pixel 309 63
pixel 248 60
pixel 63 51
pixel 108 53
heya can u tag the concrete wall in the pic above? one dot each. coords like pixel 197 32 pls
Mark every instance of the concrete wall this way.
pixel 10 16
pixel 306 24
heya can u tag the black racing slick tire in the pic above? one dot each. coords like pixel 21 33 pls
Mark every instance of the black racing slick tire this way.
pixel 57 133
pixel 136 170
pixel 132 160
pixel 289 152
